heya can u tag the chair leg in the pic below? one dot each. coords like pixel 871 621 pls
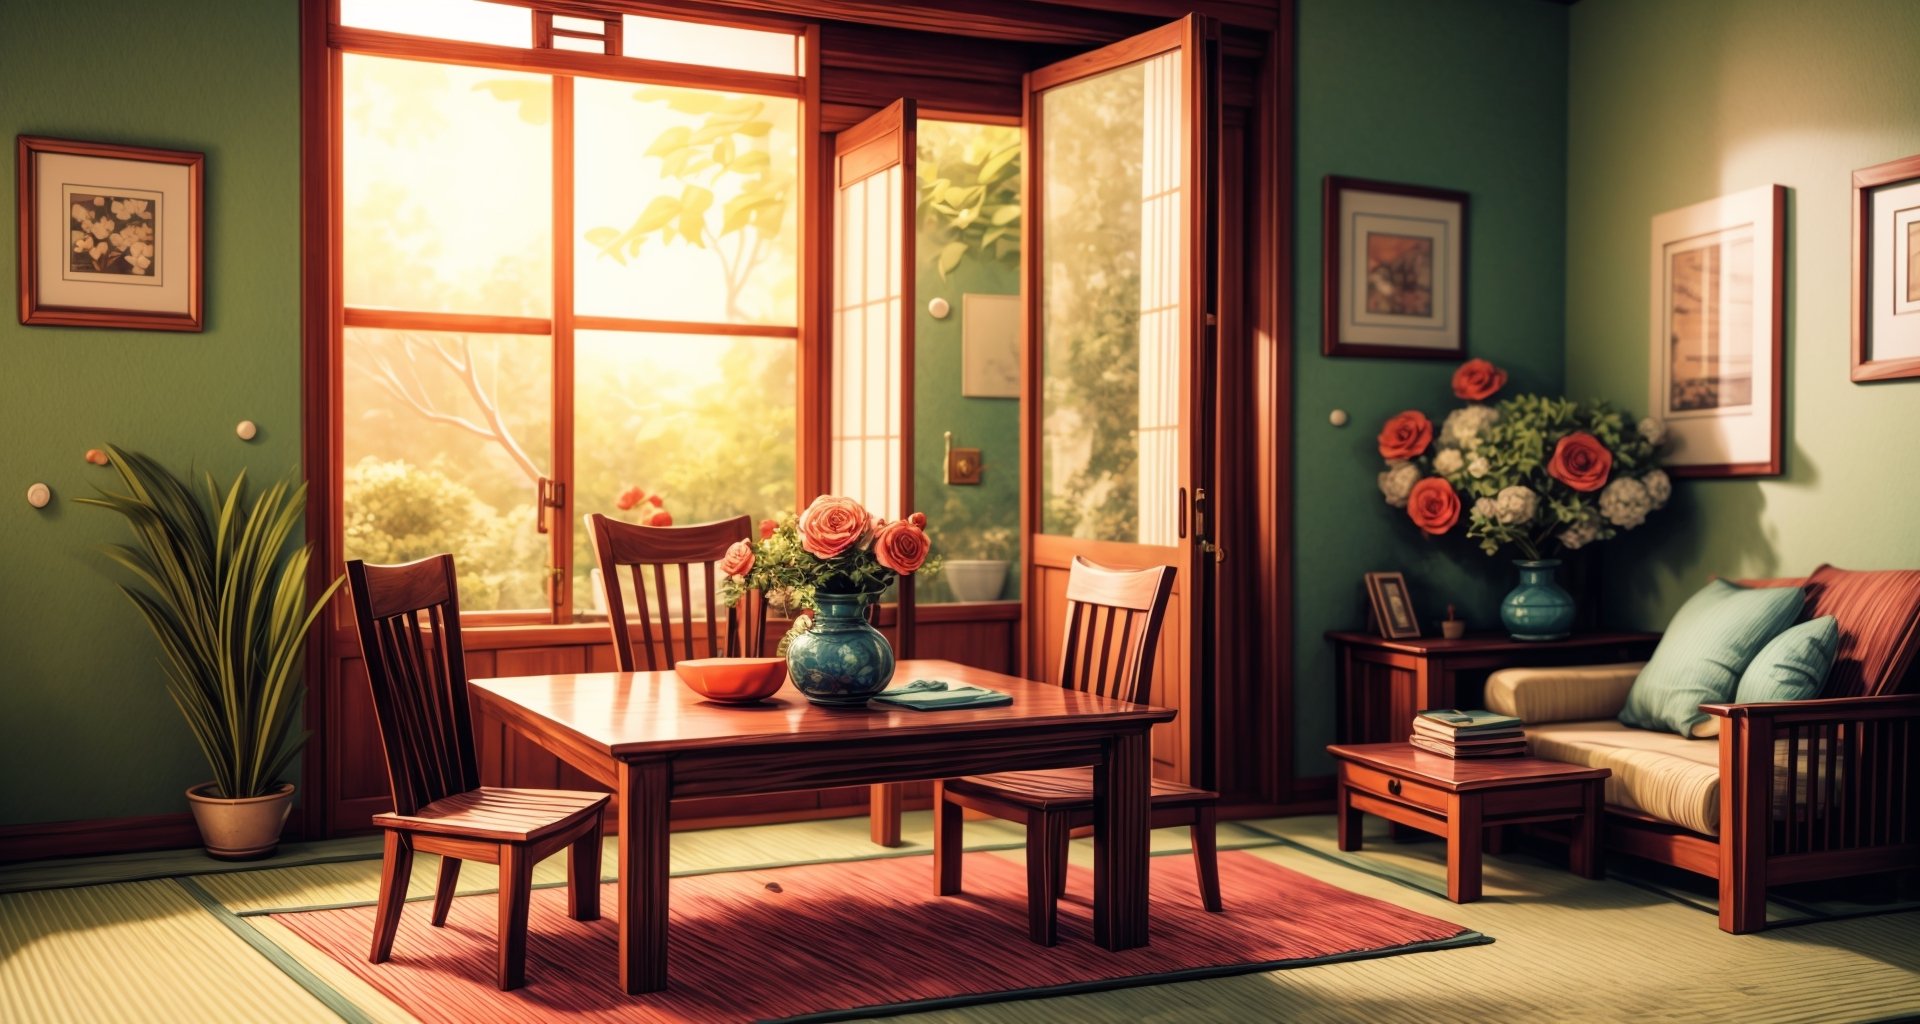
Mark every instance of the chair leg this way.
pixel 948 842
pixel 1060 865
pixel 443 893
pixel 1206 860
pixel 396 870
pixel 1046 846
pixel 583 876
pixel 516 888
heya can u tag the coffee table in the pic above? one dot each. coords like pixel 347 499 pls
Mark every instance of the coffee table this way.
pixel 1460 800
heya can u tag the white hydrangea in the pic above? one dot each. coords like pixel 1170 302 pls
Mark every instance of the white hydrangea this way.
pixel 1580 534
pixel 1654 429
pixel 1659 487
pixel 1479 467
pixel 1463 426
pixel 1448 462
pixel 1515 505
pixel 1397 480
pixel 1484 508
pixel 1625 503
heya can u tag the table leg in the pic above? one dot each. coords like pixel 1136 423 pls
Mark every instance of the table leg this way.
pixel 1584 857
pixel 1464 835
pixel 883 813
pixel 643 869
pixel 1120 844
pixel 1349 819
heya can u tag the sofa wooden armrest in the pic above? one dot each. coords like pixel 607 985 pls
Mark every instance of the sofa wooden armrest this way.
pixel 1838 708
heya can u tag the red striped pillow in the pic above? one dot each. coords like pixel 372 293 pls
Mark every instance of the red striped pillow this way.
pixel 1879 617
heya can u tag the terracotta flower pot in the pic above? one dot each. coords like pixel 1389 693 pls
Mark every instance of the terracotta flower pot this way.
pixel 247 828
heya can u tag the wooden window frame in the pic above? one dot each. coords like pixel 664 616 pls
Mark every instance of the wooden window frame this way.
pixel 322 175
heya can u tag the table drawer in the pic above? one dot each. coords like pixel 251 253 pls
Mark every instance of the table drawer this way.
pixel 1394 788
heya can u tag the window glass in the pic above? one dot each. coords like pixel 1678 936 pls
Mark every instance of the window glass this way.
pixel 685 204
pixel 447 182
pixel 443 437
pixel 720 46
pixel 470 21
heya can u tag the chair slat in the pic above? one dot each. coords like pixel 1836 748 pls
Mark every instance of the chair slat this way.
pixel 686 609
pixel 646 618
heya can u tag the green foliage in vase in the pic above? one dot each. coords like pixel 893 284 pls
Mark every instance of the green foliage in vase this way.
pixel 223 589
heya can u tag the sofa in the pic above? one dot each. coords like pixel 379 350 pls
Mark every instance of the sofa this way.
pixel 1789 791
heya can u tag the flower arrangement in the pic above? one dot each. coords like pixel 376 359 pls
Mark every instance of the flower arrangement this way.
pixel 652 508
pixel 834 547
pixel 1535 473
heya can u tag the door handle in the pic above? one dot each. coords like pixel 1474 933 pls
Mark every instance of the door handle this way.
pixel 547 494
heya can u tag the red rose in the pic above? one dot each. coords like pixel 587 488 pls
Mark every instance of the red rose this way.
pixel 1433 506
pixel 831 525
pixel 1405 436
pixel 901 546
pixel 630 497
pixel 1476 380
pixel 768 528
pixel 658 517
pixel 738 561
pixel 1581 462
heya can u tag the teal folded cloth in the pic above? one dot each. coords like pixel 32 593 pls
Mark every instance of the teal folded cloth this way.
pixel 939 695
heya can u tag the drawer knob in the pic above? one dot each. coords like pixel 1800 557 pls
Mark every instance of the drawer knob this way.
pixel 1393 786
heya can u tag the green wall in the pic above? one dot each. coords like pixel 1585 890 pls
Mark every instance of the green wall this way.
pixel 1468 95
pixel 1671 104
pixel 86 728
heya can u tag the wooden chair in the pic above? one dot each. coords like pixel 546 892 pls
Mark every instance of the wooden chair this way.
pixel 1113 626
pixel 693 551
pixel 409 619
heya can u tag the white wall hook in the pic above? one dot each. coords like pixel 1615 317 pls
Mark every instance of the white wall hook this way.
pixel 38 495
pixel 246 430
pixel 939 308
pixel 1337 417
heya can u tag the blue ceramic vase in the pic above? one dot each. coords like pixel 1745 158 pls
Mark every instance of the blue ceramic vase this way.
pixel 1539 608
pixel 842 661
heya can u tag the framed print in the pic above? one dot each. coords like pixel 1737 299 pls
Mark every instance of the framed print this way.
pixel 989 346
pixel 1886 271
pixel 1394 270
pixel 1716 376
pixel 1392 605
pixel 109 235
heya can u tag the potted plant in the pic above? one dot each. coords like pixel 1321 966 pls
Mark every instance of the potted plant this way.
pixel 226 598
pixel 1534 474
pixel 829 563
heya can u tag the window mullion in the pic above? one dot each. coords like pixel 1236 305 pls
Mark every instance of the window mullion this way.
pixel 560 560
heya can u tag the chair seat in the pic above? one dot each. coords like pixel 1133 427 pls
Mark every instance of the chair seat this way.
pixel 1064 789
pixel 501 815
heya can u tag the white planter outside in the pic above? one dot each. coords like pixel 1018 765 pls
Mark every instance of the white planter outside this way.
pixel 975 579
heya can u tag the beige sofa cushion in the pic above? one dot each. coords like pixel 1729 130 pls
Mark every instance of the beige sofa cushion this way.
pixel 1568 693
pixel 1661 774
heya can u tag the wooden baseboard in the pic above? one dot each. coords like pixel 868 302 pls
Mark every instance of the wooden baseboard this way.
pixel 96 836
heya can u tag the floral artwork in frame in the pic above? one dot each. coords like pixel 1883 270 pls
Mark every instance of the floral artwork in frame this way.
pixel 110 235
pixel 1394 270
pixel 1717 374
pixel 1886 271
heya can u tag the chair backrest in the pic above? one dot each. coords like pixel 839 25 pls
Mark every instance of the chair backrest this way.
pixel 1113 627
pixel 646 552
pixel 409 619
pixel 1878 614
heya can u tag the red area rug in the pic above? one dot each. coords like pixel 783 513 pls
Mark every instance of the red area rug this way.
pixel 821 941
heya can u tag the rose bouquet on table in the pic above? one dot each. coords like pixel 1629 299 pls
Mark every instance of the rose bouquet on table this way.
pixel 1534 473
pixel 834 547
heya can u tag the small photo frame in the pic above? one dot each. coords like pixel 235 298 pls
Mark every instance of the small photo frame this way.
pixel 110 235
pixel 1886 271
pixel 1394 271
pixel 1392 602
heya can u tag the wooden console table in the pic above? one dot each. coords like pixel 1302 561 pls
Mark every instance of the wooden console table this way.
pixel 1384 682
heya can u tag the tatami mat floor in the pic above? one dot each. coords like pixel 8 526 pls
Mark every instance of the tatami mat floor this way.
pixel 76 946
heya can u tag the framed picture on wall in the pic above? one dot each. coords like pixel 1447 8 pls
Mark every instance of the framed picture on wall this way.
pixel 989 345
pixel 1394 270
pixel 1392 605
pixel 1717 377
pixel 109 235
pixel 1886 270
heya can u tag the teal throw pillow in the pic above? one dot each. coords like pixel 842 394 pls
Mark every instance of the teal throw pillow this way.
pixel 1793 665
pixel 1712 639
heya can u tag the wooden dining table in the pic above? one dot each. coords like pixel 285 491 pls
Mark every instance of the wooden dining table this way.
pixel 651 740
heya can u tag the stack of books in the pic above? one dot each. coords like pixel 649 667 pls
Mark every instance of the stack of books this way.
pixel 1453 733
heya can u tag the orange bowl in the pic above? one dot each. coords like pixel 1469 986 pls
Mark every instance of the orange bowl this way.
pixel 733 680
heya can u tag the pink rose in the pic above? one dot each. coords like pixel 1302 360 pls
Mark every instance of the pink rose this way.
pixel 630 497
pixel 901 546
pixel 658 517
pixel 768 528
pixel 918 519
pixel 831 525
pixel 738 561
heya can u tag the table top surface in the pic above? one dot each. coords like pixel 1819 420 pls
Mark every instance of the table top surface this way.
pixel 1482 643
pixel 654 712
pixel 1463 775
